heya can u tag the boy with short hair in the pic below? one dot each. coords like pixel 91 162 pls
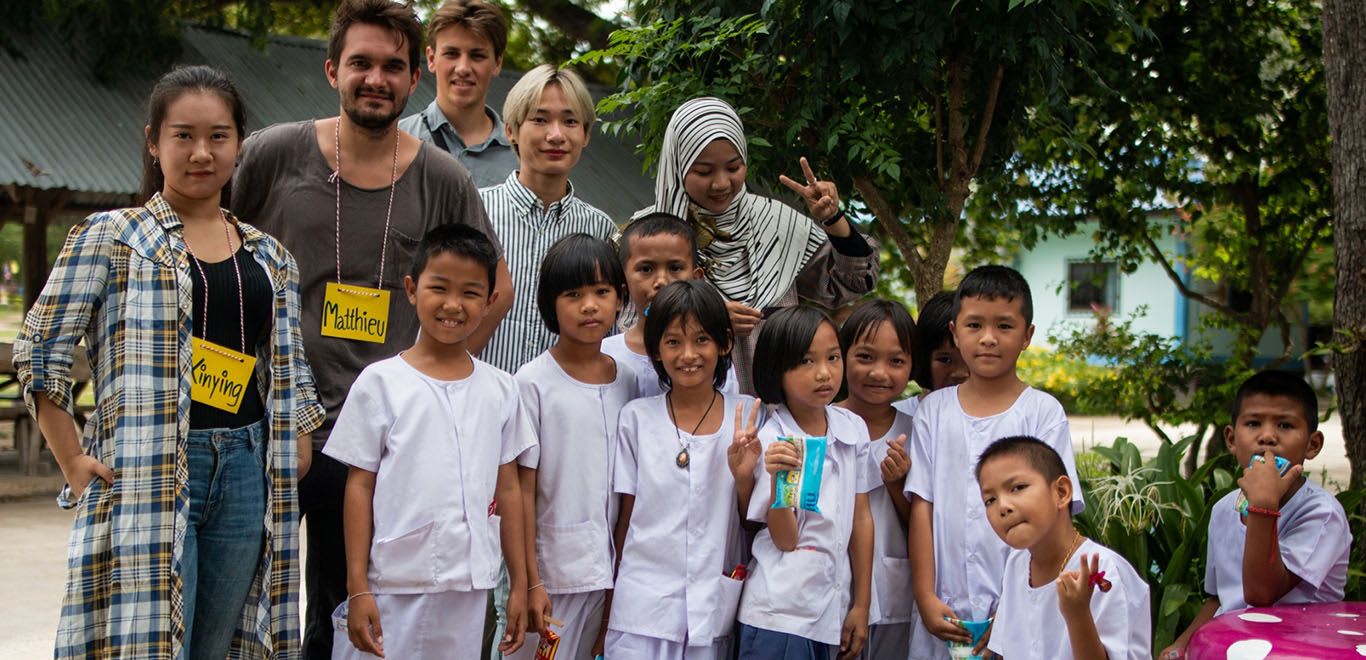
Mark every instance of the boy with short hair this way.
pixel 1290 544
pixel 957 561
pixel 465 44
pixel 432 436
pixel 656 249
pixel 1050 607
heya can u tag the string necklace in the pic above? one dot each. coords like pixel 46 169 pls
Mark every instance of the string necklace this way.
pixel 336 180
pixel 1075 544
pixel 682 458
pixel 241 317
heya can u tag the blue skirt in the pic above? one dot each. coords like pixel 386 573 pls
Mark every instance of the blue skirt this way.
pixel 761 644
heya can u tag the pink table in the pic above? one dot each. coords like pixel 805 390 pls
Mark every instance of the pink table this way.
pixel 1311 632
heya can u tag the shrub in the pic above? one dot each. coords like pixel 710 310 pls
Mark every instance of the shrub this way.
pixel 1158 519
pixel 1069 380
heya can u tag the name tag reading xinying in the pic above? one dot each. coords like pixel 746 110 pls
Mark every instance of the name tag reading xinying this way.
pixel 219 375
pixel 355 312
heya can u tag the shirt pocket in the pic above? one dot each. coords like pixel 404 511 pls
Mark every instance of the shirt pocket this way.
pixel 402 247
pixel 409 562
pixel 799 584
pixel 573 555
pixel 727 605
pixel 893 575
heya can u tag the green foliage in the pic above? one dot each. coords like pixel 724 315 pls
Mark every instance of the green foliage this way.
pixel 1159 380
pixel 1227 125
pixel 1352 501
pixel 1158 519
pixel 1070 380
pixel 902 104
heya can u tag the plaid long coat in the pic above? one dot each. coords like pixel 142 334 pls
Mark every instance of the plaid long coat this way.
pixel 122 284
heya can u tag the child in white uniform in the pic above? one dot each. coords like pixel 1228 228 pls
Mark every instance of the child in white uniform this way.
pixel 1064 596
pixel 432 436
pixel 1292 544
pixel 877 340
pixel 685 463
pixel 957 561
pixel 655 249
pixel 572 394
pixel 808 592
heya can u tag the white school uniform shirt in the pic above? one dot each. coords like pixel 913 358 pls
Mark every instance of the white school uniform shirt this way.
pixel 908 405
pixel 684 537
pixel 576 426
pixel 647 379
pixel 436 446
pixel 892 600
pixel 1029 623
pixel 1314 542
pixel 969 559
pixel 807 592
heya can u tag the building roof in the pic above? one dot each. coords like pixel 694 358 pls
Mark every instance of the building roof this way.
pixel 60 129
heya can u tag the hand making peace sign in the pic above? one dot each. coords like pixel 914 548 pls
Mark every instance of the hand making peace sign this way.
pixel 822 197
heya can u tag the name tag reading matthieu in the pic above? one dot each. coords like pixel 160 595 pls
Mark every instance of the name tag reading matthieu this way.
pixel 220 375
pixel 355 312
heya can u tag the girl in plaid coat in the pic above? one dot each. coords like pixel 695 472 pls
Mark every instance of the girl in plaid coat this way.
pixel 185 542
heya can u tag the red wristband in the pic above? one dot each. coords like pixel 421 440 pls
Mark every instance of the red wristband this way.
pixel 1275 541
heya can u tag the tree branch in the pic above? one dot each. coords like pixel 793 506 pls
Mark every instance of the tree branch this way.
pixel 1175 277
pixel 574 21
pixel 980 148
pixel 889 218
pixel 1298 261
pixel 939 139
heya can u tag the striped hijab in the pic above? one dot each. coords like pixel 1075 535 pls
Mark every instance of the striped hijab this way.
pixel 759 244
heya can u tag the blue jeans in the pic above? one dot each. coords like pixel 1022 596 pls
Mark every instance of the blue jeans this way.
pixel 227 528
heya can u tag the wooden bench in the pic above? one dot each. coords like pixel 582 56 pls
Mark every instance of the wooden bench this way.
pixel 28 440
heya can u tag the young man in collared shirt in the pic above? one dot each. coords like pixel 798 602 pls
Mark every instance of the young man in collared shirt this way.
pixel 465 40
pixel 549 120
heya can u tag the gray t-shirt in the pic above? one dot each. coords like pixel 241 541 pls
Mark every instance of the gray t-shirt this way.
pixel 282 186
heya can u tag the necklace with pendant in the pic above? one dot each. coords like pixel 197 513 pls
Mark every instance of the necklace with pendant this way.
pixel 682 458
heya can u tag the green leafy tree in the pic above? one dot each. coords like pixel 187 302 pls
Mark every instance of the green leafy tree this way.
pixel 907 105
pixel 1217 108
pixel 142 35
pixel 1345 60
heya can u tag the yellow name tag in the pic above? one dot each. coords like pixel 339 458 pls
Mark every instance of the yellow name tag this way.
pixel 219 375
pixel 355 312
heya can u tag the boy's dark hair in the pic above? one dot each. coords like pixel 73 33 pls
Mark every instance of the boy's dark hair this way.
pixel 460 240
pixel 872 313
pixel 783 342
pixel 653 224
pixel 701 301
pixel 993 282
pixel 395 17
pixel 931 331
pixel 1038 454
pixel 1279 383
pixel 574 261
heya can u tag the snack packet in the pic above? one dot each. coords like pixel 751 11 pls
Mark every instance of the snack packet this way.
pixel 549 646
pixel 801 488
pixel 1282 466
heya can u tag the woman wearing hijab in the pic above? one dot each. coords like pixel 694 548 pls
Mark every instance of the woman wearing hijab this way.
pixel 762 254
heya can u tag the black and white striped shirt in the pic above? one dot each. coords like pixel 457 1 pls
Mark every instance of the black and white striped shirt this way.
pixel 527 229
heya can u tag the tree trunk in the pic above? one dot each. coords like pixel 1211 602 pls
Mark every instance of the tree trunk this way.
pixel 1344 54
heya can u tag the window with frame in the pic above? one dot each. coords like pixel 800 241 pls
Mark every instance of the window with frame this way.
pixel 1092 285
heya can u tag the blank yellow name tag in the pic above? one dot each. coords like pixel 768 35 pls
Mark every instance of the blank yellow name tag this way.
pixel 220 375
pixel 355 312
